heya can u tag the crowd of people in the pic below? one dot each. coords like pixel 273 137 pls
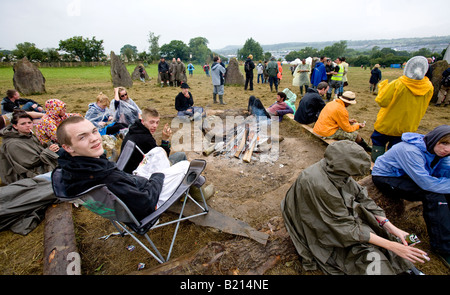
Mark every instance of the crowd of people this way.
pixel 332 221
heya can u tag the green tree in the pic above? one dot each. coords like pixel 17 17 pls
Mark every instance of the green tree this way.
pixel 84 49
pixel 154 49
pixel 335 50
pixel 251 47
pixel 175 49
pixel 129 51
pixel 30 51
pixel 52 55
pixel 199 49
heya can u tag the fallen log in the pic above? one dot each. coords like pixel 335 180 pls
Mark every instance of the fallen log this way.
pixel 242 144
pixel 60 251
pixel 232 257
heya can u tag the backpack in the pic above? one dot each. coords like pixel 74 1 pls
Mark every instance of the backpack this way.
pixel 247 66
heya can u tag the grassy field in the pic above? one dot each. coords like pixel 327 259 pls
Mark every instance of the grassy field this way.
pixel 78 87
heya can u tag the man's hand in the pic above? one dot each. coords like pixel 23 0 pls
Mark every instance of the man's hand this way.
pixel 166 133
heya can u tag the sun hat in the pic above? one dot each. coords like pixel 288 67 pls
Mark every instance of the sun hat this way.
pixel 348 97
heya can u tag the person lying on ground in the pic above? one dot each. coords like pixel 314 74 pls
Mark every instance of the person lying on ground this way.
pixel 280 107
pixel 13 101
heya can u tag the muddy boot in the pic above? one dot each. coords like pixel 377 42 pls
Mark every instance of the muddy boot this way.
pixel 221 99
pixel 214 98
pixel 377 151
pixel 365 146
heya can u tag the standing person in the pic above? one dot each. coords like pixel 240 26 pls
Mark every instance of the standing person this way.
pixel 336 226
pixel 311 104
pixel 336 79
pixel 206 69
pixel 142 134
pixel 248 68
pixel 180 77
pixel 329 68
pixel 217 76
pixel 418 169
pixel 444 89
pixel 319 73
pixel 260 72
pixel 403 103
pixel 22 155
pixel 13 101
pixel 304 70
pixel 280 72
pixel 272 71
pixel 266 75
pixel 55 113
pixel 163 69
pixel 173 72
pixel 375 77
pixel 334 122
pixel 344 77
pixel 126 111
pixel 191 69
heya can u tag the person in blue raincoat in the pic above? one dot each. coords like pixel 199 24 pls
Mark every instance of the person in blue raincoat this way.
pixel 418 169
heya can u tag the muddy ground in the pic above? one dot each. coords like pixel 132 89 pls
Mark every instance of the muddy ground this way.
pixel 251 192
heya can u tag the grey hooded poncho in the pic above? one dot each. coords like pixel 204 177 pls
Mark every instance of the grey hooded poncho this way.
pixel 329 216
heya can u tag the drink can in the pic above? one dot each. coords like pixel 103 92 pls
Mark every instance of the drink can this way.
pixel 412 239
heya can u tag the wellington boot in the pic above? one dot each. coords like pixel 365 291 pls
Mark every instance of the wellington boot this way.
pixel 377 151
pixel 364 144
pixel 221 99
pixel 215 98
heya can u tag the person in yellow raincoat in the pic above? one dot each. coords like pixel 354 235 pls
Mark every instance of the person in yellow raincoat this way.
pixel 403 103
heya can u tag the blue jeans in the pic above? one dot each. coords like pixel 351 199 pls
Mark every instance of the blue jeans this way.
pixel 28 107
pixel 379 139
pixel 262 78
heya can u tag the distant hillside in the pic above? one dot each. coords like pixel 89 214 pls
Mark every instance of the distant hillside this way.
pixel 435 44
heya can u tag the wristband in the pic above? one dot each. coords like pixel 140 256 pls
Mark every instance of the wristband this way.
pixel 383 222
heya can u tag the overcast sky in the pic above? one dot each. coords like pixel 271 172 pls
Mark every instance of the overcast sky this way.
pixel 226 22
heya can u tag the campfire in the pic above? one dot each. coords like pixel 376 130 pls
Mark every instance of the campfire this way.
pixel 246 138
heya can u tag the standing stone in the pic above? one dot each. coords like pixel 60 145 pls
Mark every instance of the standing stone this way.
pixel 27 78
pixel 438 68
pixel 233 75
pixel 119 73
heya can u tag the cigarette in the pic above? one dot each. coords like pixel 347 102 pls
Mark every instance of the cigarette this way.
pixel 426 257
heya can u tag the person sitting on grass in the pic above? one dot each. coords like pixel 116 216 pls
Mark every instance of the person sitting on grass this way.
pixel 334 122
pixel 84 165
pixel 418 169
pixel 336 226
pixel 22 155
pixel 311 104
pixel 184 103
pixel 99 114
pixel 125 110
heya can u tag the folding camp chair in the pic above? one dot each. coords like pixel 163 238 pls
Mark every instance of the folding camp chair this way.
pixel 100 200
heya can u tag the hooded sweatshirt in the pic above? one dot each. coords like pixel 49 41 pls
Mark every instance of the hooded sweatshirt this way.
pixel 411 157
pixel 217 72
pixel 138 193
pixel 46 128
pixel 403 104
pixel 329 215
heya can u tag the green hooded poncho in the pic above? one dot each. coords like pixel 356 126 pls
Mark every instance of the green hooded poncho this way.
pixel 329 216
